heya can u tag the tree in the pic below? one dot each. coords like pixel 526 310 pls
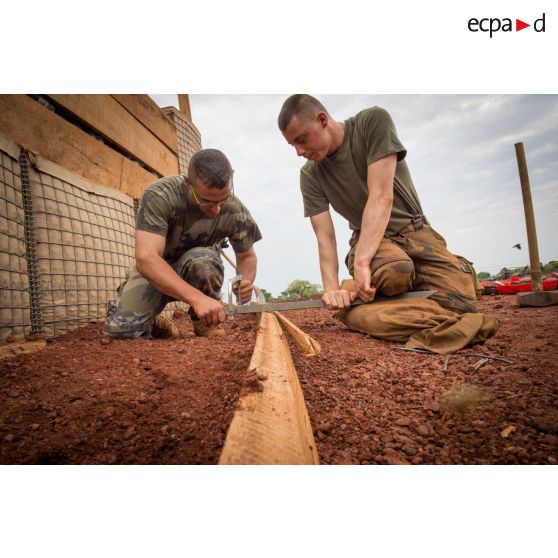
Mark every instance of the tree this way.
pixel 550 266
pixel 483 275
pixel 300 288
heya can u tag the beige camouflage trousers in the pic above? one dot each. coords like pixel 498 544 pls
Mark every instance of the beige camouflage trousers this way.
pixel 131 315
pixel 418 259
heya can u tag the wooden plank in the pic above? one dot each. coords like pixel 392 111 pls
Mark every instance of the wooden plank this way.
pixel 308 345
pixel 107 116
pixel 20 348
pixel 271 424
pixel 41 131
pixel 146 111
pixel 537 298
pixel 184 106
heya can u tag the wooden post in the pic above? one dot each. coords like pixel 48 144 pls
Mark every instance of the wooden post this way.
pixel 184 106
pixel 537 297
pixel 529 217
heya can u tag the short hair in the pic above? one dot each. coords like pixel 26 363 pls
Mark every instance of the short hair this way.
pixel 212 167
pixel 299 105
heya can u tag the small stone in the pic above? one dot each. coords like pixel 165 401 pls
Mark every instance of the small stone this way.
pixel 551 460
pixel 11 339
pixel 551 439
pixel 164 429
pixel 423 430
pixel 34 426
pixel 478 424
pixel 104 341
pixel 410 450
pixel 8 437
pixel 392 457
pixel 129 432
pixel 434 406
pixel 403 421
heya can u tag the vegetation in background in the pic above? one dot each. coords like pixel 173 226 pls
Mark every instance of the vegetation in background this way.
pixel 300 288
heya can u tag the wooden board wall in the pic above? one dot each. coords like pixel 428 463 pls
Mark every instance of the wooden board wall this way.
pixel 34 127
pixel 107 116
pixel 146 111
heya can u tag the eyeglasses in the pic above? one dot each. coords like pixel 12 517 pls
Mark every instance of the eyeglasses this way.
pixel 207 203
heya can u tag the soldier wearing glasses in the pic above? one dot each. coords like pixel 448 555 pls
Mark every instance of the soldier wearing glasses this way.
pixel 180 225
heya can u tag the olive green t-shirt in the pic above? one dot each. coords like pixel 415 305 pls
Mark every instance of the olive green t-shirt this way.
pixel 341 179
pixel 166 210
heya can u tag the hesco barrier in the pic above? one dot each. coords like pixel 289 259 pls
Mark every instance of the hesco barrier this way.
pixel 66 244
pixel 66 241
pixel 84 236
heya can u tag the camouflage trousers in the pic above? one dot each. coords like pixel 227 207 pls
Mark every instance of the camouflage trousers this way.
pixel 131 315
pixel 417 259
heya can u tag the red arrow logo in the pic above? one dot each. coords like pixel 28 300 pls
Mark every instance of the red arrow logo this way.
pixel 519 25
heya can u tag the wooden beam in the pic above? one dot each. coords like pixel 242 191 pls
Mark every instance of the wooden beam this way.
pixel 308 345
pixel 107 116
pixel 184 106
pixel 34 127
pixel 146 111
pixel 271 424
pixel 9 350
pixel 529 218
pixel 537 298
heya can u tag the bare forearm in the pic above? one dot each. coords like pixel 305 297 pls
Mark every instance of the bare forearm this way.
pixel 247 266
pixel 163 277
pixel 329 265
pixel 374 222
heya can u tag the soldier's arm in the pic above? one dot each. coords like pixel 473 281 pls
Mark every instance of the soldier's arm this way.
pixel 246 265
pixel 150 263
pixel 375 219
pixel 333 297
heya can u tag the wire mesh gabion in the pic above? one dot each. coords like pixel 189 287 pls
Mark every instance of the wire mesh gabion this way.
pixel 84 245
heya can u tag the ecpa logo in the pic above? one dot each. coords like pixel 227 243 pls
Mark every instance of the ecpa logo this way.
pixel 494 24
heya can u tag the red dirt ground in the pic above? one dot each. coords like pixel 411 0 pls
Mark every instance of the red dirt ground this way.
pixel 171 401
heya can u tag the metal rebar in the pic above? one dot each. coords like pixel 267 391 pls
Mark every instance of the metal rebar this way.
pixel 30 244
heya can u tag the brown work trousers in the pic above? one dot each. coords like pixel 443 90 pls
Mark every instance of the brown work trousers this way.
pixel 417 259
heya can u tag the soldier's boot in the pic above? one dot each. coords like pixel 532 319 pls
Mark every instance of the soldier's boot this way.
pixel 163 328
pixel 202 330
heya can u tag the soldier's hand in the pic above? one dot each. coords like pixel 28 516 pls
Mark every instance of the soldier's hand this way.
pixel 363 283
pixel 337 300
pixel 246 289
pixel 209 310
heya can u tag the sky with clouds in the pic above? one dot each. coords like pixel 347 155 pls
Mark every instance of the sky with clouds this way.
pixel 460 151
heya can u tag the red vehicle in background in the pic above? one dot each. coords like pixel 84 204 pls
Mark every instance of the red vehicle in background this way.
pixel 515 285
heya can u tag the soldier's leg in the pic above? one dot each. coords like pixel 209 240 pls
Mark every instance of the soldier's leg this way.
pixel 139 302
pixel 392 269
pixel 453 277
pixel 203 269
pixel 132 315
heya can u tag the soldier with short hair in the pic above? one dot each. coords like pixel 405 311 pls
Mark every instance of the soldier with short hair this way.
pixel 358 167
pixel 180 225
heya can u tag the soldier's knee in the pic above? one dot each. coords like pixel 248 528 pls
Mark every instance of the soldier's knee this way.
pixel 394 278
pixel 203 269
